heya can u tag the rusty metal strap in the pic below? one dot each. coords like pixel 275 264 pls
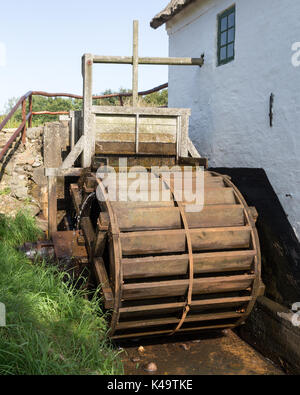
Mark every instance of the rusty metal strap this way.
pixel 187 306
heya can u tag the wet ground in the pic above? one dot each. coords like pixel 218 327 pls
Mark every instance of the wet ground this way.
pixel 220 354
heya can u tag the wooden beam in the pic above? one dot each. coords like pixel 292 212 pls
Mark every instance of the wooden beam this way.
pixel 204 239
pixel 212 285
pixel 75 197
pixel 149 60
pixel 135 64
pixel 204 304
pixel 111 110
pixel 89 142
pixel 192 150
pixel 141 323
pixel 211 262
pixel 52 206
pixel 72 172
pixel 101 273
pixel 73 155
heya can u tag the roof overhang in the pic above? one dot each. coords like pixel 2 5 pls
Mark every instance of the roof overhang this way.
pixel 172 9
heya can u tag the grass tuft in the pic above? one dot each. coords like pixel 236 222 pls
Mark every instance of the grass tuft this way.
pixel 51 328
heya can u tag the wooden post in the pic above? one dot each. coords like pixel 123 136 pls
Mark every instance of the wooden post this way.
pixel 30 111
pixel 24 119
pixel 72 129
pixel 89 143
pixel 135 63
pixel 52 206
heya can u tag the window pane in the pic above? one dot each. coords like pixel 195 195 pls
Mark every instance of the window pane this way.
pixel 223 53
pixel 224 38
pixel 230 35
pixel 224 24
pixel 230 50
pixel 231 20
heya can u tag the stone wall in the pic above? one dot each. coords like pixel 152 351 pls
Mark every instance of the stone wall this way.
pixel 23 184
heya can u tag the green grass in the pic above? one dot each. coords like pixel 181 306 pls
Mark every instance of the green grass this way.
pixel 51 329
pixel 5 191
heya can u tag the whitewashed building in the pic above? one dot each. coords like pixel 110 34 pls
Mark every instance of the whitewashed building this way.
pixel 251 70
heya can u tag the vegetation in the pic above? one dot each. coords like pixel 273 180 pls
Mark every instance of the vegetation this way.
pixel 51 328
pixel 40 103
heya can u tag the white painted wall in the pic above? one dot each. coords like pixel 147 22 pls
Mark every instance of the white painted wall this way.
pixel 230 103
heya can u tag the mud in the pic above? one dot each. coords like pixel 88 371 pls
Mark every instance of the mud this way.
pixel 222 354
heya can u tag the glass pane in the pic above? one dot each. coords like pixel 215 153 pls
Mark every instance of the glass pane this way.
pixel 223 53
pixel 230 51
pixel 224 38
pixel 224 24
pixel 231 20
pixel 230 35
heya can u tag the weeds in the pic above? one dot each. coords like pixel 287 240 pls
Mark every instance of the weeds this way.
pixel 51 328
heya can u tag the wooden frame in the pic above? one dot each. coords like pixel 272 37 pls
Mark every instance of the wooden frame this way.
pixel 85 146
pixel 221 31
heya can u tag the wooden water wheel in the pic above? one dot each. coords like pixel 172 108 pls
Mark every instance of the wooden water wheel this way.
pixel 164 270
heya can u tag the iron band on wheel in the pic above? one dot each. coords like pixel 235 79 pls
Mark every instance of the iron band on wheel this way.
pixel 191 259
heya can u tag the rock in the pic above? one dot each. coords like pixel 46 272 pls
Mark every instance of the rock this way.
pixel 20 192
pixel 37 163
pixel 141 349
pixel 186 347
pixel 135 360
pixel 42 223
pixel 34 210
pixel 34 133
pixel 150 367
pixel 26 158
pixel 10 167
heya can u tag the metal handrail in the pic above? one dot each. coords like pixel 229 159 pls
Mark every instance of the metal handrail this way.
pixel 28 117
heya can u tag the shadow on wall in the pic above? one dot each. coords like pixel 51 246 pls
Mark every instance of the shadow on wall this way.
pixel 279 245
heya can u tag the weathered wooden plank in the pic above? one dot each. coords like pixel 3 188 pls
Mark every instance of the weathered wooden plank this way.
pixel 170 218
pixel 76 198
pixel 101 273
pixel 179 182
pixel 209 285
pixel 133 160
pixel 72 172
pixel 101 240
pixel 135 63
pixel 127 148
pixel 149 60
pixel 181 330
pixel 89 234
pixel 192 150
pixel 211 262
pixel 74 154
pixel 203 304
pixel 149 135
pixel 173 320
pixel 212 196
pixel 154 242
pixel 140 110
pixel 102 120
pixel 89 140
pixel 52 205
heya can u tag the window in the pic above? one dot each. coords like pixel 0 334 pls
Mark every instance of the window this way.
pixel 226 36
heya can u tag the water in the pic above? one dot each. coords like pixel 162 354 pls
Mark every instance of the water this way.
pixel 84 205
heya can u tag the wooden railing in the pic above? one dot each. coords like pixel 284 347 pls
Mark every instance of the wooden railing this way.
pixel 27 117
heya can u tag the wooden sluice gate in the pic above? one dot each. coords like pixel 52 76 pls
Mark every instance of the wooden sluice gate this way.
pixel 164 268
